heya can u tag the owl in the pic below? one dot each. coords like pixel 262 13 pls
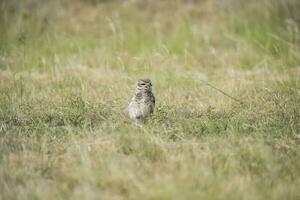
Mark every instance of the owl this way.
pixel 142 103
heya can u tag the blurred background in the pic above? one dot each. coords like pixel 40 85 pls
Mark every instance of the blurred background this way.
pixel 243 34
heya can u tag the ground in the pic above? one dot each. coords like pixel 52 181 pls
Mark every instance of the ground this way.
pixel 226 79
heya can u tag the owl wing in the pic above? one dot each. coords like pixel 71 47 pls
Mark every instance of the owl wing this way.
pixel 152 99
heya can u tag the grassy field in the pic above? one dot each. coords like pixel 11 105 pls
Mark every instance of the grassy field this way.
pixel 226 80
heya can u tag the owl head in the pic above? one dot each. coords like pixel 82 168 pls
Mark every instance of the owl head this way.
pixel 144 85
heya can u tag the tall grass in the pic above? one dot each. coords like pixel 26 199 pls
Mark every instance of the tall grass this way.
pixel 67 70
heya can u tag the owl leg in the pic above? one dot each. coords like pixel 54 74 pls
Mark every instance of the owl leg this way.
pixel 139 120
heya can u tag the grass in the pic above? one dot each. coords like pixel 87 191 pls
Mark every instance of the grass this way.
pixel 226 80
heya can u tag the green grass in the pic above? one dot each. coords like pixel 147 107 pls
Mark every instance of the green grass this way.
pixel 67 71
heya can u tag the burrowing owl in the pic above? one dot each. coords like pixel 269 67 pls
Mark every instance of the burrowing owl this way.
pixel 143 102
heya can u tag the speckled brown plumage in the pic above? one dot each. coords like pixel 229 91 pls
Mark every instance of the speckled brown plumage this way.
pixel 143 101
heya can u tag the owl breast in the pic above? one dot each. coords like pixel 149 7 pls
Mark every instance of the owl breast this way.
pixel 139 110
